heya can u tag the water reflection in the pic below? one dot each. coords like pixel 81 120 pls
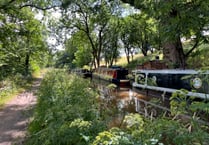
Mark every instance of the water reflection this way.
pixel 129 100
pixel 119 101
pixel 124 98
pixel 116 102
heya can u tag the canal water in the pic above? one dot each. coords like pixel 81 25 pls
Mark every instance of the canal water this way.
pixel 131 100
pixel 120 101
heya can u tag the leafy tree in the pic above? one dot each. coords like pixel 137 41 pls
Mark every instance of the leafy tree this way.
pixel 21 38
pixel 77 51
pixel 199 58
pixel 177 19
pixel 111 42
pixel 127 37
pixel 82 57
pixel 19 4
pixel 67 56
pixel 62 59
pixel 92 18
pixel 83 53
pixel 32 33
pixel 144 32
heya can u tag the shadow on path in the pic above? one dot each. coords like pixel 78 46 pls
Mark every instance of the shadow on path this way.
pixel 15 116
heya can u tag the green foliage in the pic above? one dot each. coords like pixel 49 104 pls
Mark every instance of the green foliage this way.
pixel 35 67
pixel 139 60
pixel 75 132
pixel 200 106
pixel 180 102
pixel 13 85
pixel 166 131
pixel 139 32
pixel 83 56
pixel 92 18
pixel 114 136
pixel 111 42
pixel 176 20
pixel 66 111
pixel 7 87
pixel 21 40
pixel 183 105
pixel 134 123
pixel 199 58
pixel 137 130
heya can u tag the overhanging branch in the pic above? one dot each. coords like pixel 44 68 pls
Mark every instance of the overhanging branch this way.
pixel 8 4
pixel 192 49
pixel 38 7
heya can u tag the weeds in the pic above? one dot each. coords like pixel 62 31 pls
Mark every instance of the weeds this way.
pixel 67 111
pixel 11 86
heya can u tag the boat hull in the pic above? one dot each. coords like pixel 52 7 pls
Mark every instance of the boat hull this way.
pixel 113 75
pixel 169 81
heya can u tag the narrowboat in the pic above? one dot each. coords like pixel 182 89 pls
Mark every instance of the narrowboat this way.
pixel 85 73
pixel 170 81
pixel 115 74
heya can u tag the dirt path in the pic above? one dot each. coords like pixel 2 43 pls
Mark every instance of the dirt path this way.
pixel 15 116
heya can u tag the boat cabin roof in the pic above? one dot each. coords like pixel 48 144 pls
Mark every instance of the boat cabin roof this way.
pixel 172 71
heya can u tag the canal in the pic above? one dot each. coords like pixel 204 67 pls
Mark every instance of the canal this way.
pixel 131 100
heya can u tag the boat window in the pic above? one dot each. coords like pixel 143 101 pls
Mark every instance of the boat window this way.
pixel 122 73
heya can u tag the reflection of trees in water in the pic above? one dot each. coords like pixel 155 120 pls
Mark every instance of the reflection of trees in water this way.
pixel 116 102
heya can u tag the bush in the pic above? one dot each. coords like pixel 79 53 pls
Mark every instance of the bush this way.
pixel 11 86
pixel 66 112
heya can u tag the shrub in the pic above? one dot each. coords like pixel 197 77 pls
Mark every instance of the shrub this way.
pixel 66 111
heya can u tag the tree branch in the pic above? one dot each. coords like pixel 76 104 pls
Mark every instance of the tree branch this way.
pixel 37 7
pixel 131 2
pixel 11 1
pixel 7 5
pixel 193 48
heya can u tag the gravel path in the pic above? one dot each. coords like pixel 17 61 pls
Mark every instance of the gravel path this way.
pixel 15 116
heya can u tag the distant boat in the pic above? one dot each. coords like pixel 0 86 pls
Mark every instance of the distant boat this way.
pixel 85 73
pixel 114 74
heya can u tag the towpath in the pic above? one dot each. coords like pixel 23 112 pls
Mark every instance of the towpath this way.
pixel 15 116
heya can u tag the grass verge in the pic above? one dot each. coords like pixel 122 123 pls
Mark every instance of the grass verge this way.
pixel 14 85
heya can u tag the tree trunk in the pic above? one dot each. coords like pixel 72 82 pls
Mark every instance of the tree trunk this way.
pixel 174 55
pixel 98 61
pixel 172 45
pixel 127 52
pixel 27 62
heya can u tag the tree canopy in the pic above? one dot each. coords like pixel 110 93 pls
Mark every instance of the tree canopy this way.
pixel 91 17
pixel 22 38
pixel 103 30
pixel 177 20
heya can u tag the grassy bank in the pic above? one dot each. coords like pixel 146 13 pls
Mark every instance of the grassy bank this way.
pixel 14 85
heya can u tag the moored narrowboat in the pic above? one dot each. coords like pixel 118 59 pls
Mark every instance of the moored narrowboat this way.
pixel 170 81
pixel 116 75
pixel 85 73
